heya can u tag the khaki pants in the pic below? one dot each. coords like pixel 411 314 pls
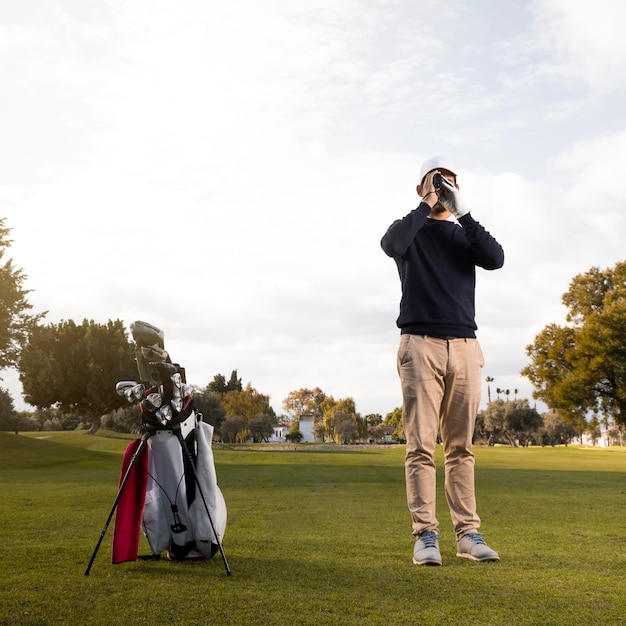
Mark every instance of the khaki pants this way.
pixel 441 385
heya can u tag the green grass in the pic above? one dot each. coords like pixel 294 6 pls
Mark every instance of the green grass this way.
pixel 317 537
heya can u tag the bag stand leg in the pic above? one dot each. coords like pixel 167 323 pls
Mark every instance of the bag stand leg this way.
pixel 140 447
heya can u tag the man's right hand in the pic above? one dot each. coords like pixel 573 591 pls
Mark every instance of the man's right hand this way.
pixel 429 195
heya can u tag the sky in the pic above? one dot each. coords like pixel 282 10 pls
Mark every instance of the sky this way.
pixel 226 170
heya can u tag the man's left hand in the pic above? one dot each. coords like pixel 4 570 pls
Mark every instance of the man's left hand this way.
pixel 451 200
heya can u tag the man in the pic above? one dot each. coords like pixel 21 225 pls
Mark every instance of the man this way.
pixel 439 358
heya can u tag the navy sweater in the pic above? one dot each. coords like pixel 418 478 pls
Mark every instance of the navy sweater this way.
pixel 437 262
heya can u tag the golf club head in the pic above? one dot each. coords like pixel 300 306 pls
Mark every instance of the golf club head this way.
pixel 153 354
pixel 124 385
pixel 135 393
pixel 164 414
pixel 138 391
pixel 177 380
pixel 152 402
pixel 177 404
pixel 146 334
pixel 145 356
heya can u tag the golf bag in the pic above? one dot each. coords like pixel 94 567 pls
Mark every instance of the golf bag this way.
pixel 168 484
pixel 164 501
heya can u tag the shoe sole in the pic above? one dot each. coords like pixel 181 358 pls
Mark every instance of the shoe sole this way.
pixel 465 555
pixel 426 562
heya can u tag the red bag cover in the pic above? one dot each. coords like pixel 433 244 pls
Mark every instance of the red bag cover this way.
pixel 129 512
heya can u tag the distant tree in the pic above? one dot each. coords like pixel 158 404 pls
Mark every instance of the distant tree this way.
pixel 581 367
pixel 344 427
pixel 616 433
pixel 294 435
pixel 513 421
pixel 16 322
pixel 25 421
pixel 126 419
pixel 319 430
pixel 373 419
pixel 372 422
pixel 210 406
pixel 76 367
pixel 260 426
pixel 247 403
pixel 221 386
pixel 493 419
pixel 522 422
pixel 54 419
pixel 234 429
pixel 489 380
pixel 218 384
pixel 305 402
pixel 236 401
pixel 330 406
pixel 555 429
pixel 395 419
pixel 8 415
pixel 378 433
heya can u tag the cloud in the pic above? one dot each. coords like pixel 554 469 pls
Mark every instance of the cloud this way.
pixel 586 41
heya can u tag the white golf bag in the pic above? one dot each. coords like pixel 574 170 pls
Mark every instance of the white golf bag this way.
pixel 174 516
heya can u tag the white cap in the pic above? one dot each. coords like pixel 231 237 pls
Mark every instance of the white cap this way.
pixel 436 163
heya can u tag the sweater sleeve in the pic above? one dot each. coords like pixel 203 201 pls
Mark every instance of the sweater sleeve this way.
pixel 487 252
pixel 401 233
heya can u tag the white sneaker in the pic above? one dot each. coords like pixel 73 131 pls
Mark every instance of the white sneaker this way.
pixel 426 550
pixel 472 546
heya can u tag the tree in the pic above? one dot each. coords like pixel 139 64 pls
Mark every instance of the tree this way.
pixel 489 380
pixel 15 321
pixel 126 419
pixel 295 434
pixel 209 404
pixel 395 419
pixel 319 430
pixel 234 429
pixel 512 421
pixel 344 427
pixel 378 433
pixel 373 425
pixel 330 406
pixel 244 403
pixel 8 416
pixel 556 430
pixel 77 367
pixel 522 422
pixel 220 386
pixel 305 402
pixel 581 367
pixel 247 403
pixel 493 419
pixel 260 426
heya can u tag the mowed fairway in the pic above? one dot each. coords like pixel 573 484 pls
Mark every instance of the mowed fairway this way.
pixel 317 537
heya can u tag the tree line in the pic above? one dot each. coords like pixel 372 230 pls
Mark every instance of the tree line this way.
pixel 68 373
